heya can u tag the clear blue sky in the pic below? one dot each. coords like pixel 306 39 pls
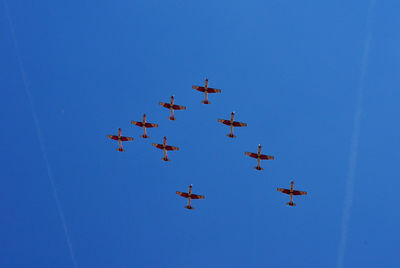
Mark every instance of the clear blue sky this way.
pixel 290 69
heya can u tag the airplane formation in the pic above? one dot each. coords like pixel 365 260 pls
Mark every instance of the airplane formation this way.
pixel 165 147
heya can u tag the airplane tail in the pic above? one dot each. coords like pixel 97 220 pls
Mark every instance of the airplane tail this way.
pixel 144 136
pixel 172 118
pixel 258 168
pixel 231 135
pixel 189 207
pixel 291 204
pixel 166 159
pixel 120 150
pixel 206 102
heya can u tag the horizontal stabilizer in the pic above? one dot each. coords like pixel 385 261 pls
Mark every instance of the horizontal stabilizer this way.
pixel 172 118
pixel 166 159
pixel 189 207
pixel 231 135
pixel 291 204
pixel 258 168
pixel 206 102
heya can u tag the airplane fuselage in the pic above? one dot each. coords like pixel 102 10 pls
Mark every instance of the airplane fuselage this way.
pixel 189 196
pixel 231 124
pixel 291 192
pixel 206 90
pixel 119 139
pixel 164 147
pixel 259 157
pixel 171 107
pixel 144 125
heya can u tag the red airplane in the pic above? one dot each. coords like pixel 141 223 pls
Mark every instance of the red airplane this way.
pixel 232 124
pixel 259 157
pixel 291 192
pixel 120 139
pixel 206 90
pixel 190 196
pixel 171 106
pixel 144 125
pixel 165 148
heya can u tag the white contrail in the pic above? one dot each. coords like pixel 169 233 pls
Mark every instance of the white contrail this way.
pixel 40 136
pixel 354 142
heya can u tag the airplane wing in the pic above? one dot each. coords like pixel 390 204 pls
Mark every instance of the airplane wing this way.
pixel 139 124
pixel 171 148
pixel 266 157
pixel 185 195
pixel 285 191
pixel 159 146
pixel 251 154
pixel 166 105
pixel 126 139
pixel 213 90
pixel 202 89
pixel 177 107
pixel 112 137
pixel 299 193
pixel 196 196
pixel 149 125
pixel 239 124
pixel 226 122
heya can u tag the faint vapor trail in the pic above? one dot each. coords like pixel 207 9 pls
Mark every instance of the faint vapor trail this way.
pixel 348 201
pixel 40 136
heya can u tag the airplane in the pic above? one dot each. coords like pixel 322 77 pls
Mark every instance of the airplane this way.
pixel 206 90
pixel 171 106
pixel 259 157
pixel 144 125
pixel 190 196
pixel 165 148
pixel 120 139
pixel 291 192
pixel 232 124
